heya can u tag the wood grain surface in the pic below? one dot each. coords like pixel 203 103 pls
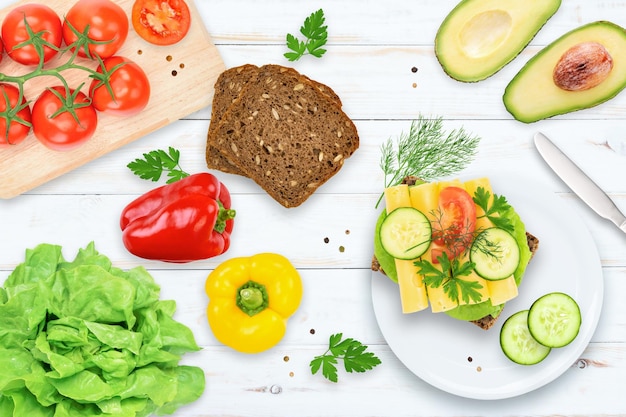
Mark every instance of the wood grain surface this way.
pixel 374 47
pixel 174 72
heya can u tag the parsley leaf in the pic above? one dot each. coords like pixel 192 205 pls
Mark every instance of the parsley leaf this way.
pixel 154 163
pixel 353 353
pixel 449 277
pixel 494 211
pixel 316 36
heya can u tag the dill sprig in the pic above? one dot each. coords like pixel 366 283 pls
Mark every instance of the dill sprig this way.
pixel 491 249
pixel 455 238
pixel 427 152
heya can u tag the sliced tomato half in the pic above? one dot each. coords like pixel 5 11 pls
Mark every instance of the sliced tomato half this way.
pixel 453 229
pixel 161 22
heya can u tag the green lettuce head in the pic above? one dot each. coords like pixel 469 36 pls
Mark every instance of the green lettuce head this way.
pixel 83 338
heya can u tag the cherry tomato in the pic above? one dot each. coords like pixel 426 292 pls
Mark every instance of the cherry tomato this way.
pixel 106 24
pixel 129 84
pixel 55 126
pixel 161 22
pixel 43 22
pixel 454 229
pixel 14 111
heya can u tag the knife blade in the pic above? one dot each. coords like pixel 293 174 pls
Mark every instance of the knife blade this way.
pixel 578 181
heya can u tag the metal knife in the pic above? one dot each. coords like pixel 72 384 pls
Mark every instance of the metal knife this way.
pixel 579 182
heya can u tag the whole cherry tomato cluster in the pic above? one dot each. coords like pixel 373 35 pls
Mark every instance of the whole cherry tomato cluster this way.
pixel 63 117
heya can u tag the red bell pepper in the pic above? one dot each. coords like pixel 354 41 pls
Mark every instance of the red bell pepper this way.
pixel 184 221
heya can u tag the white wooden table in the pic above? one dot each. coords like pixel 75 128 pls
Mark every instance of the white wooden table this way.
pixel 380 61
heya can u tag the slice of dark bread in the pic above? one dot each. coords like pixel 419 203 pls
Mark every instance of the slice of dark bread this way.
pixel 284 133
pixel 227 88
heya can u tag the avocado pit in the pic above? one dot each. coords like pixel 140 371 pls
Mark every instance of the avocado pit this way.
pixel 582 67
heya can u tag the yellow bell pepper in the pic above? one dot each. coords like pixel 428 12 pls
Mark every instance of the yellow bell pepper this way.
pixel 250 300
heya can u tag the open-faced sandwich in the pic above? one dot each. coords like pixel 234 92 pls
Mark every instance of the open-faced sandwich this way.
pixel 454 246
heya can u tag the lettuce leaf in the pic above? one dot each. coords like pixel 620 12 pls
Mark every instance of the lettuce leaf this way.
pixel 84 338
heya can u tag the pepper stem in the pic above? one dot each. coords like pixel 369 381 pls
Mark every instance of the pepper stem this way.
pixel 222 217
pixel 252 298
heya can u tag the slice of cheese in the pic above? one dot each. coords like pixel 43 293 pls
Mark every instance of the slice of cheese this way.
pixel 471 186
pixel 506 289
pixel 425 198
pixel 503 290
pixel 450 183
pixel 439 300
pixel 484 289
pixel 413 295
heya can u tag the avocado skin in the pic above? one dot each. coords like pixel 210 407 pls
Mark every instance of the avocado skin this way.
pixel 532 95
pixel 527 18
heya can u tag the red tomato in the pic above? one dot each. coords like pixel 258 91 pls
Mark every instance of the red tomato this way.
pixel 16 113
pixel 55 126
pixel 106 24
pixel 454 229
pixel 161 22
pixel 129 84
pixel 43 21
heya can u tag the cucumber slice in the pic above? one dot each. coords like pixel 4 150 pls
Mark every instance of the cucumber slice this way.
pixel 518 344
pixel 405 233
pixel 554 319
pixel 495 253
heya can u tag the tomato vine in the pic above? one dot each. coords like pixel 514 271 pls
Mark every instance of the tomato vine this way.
pixel 81 54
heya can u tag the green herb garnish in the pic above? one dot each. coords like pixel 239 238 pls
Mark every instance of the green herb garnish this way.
pixel 490 248
pixel 456 238
pixel 316 36
pixel 426 152
pixel 351 351
pixel 449 277
pixel 154 163
pixel 494 211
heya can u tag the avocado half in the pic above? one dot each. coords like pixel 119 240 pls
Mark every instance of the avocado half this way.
pixel 533 95
pixel 479 37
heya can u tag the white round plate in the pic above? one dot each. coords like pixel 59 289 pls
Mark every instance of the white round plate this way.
pixel 465 360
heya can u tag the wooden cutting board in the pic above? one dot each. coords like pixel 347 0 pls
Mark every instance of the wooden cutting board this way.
pixel 182 77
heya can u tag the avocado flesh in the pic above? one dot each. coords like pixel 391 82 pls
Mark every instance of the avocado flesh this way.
pixel 532 94
pixel 479 37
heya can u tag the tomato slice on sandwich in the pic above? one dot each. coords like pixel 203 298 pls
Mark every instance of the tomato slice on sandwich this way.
pixel 454 223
